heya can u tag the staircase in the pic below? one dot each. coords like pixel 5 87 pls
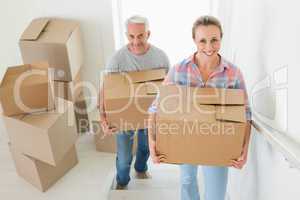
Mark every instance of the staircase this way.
pixel 163 184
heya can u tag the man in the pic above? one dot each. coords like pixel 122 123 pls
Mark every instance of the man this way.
pixel 137 55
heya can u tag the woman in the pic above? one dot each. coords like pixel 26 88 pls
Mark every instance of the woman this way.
pixel 205 68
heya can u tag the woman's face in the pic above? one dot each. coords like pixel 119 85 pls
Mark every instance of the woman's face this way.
pixel 208 40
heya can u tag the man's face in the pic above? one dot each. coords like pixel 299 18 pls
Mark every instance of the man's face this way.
pixel 137 37
pixel 208 40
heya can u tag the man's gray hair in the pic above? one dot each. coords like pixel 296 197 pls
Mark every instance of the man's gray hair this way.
pixel 137 19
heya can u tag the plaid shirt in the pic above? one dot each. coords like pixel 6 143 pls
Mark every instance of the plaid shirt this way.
pixel 187 73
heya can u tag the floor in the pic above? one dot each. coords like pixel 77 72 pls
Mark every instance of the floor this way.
pixel 92 179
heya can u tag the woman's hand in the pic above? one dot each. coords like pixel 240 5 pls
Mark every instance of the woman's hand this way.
pixel 241 161
pixel 153 153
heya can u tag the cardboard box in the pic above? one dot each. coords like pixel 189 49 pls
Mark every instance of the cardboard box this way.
pixel 40 174
pixel 46 136
pixel 106 143
pixel 127 97
pixel 200 125
pixel 71 91
pixel 26 89
pixel 57 41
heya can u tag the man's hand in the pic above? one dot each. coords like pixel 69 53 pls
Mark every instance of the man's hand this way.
pixel 107 130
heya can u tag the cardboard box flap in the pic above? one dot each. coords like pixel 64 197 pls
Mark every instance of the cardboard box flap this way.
pixel 117 92
pixel 19 117
pixel 40 65
pixel 33 31
pixel 136 81
pixel 113 80
pixel 176 107
pixel 13 70
pixel 231 113
pixel 117 86
pixel 42 120
pixel 13 73
pixel 217 96
pixel 49 30
pixel 45 120
pixel 201 113
pixel 147 75
pixel 153 87
pixel 139 89
pixel 58 31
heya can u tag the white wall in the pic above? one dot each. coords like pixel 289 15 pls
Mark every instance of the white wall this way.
pixel 262 37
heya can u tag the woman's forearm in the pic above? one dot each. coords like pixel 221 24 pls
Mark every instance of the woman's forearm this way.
pixel 151 129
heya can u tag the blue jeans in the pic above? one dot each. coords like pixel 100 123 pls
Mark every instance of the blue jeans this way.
pixel 215 181
pixel 124 154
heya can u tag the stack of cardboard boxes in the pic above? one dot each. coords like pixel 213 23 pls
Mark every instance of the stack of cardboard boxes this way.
pixel 58 41
pixel 41 130
pixel 38 101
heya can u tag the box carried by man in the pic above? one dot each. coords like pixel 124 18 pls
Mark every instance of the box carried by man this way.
pixel 127 97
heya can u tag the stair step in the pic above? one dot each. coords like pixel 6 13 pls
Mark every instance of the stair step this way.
pixel 150 194
pixel 163 184
pixel 162 177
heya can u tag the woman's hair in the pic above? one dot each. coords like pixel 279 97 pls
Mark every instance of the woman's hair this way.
pixel 207 20
pixel 137 19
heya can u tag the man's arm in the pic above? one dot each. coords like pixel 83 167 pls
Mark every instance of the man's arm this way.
pixel 112 66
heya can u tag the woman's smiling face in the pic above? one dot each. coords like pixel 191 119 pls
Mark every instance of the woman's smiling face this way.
pixel 208 40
